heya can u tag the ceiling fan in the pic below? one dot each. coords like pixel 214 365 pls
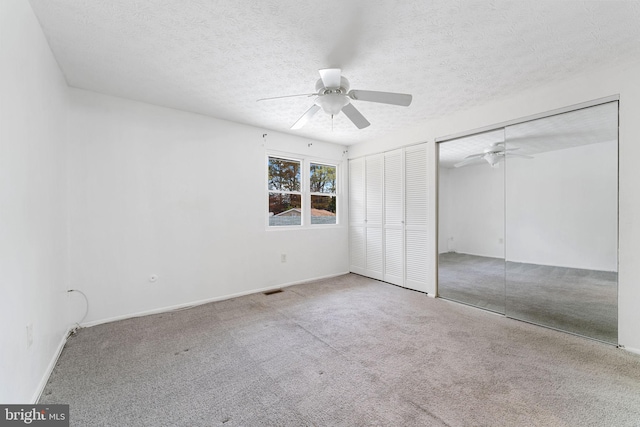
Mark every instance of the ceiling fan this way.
pixel 333 96
pixel 492 155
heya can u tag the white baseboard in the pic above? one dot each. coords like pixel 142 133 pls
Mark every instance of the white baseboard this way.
pixel 632 350
pixel 204 301
pixel 52 364
pixel 284 285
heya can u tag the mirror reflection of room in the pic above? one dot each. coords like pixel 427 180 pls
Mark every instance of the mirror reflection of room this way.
pixel 528 218
pixel 562 222
pixel 471 221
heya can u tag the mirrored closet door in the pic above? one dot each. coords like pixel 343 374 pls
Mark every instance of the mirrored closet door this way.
pixel 561 210
pixel 528 221
pixel 471 265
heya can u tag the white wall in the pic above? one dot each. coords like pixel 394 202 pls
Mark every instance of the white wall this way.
pixel 622 79
pixel 160 191
pixel 475 210
pixel 561 208
pixel 33 244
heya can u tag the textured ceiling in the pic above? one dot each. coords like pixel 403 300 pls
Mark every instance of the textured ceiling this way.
pixel 576 128
pixel 217 57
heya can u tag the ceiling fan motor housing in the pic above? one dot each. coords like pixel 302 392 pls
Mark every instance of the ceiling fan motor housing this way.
pixel 344 86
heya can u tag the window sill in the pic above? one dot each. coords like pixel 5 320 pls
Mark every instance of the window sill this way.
pixel 303 227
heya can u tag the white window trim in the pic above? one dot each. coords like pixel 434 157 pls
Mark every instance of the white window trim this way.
pixel 305 165
pixel 308 188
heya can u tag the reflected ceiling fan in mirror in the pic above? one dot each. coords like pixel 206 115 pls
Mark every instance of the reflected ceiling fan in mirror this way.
pixel 333 96
pixel 492 155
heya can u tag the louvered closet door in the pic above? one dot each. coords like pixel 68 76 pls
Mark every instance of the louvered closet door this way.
pixel 357 231
pixel 393 218
pixel 418 244
pixel 374 185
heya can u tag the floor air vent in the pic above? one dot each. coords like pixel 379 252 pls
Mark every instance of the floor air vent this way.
pixel 275 291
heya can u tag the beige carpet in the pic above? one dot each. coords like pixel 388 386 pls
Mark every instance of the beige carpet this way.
pixel 348 351
pixel 584 302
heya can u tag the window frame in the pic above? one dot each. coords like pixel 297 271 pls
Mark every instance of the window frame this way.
pixel 312 193
pixel 305 187
pixel 300 193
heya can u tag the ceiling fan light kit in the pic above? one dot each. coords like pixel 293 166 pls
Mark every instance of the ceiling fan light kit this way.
pixel 334 96
pixel 332 103
pixel 492 159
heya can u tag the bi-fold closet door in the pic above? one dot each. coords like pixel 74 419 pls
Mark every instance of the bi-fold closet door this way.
pixel 388 202
pixel 394 218
pixel 366 179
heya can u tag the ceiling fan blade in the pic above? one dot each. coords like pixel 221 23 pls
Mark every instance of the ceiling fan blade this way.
pixel 330 77
pixel 355 116
pixel 519 155
pixel 402 99
pixel 305 117
pixel 467 160
pixel 473 156
pixel 286 96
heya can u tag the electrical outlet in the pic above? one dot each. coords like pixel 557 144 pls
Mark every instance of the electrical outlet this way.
pixel 283 257
pixel 29 335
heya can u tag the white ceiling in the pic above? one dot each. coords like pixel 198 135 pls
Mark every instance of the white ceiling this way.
pixel 217 57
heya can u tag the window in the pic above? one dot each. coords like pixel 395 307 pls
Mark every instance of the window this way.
pixel 298 198
pixel 322 187
pixel 285 197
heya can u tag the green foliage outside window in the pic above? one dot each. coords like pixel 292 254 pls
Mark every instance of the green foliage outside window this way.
pixel 323 179
pixel 284 175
